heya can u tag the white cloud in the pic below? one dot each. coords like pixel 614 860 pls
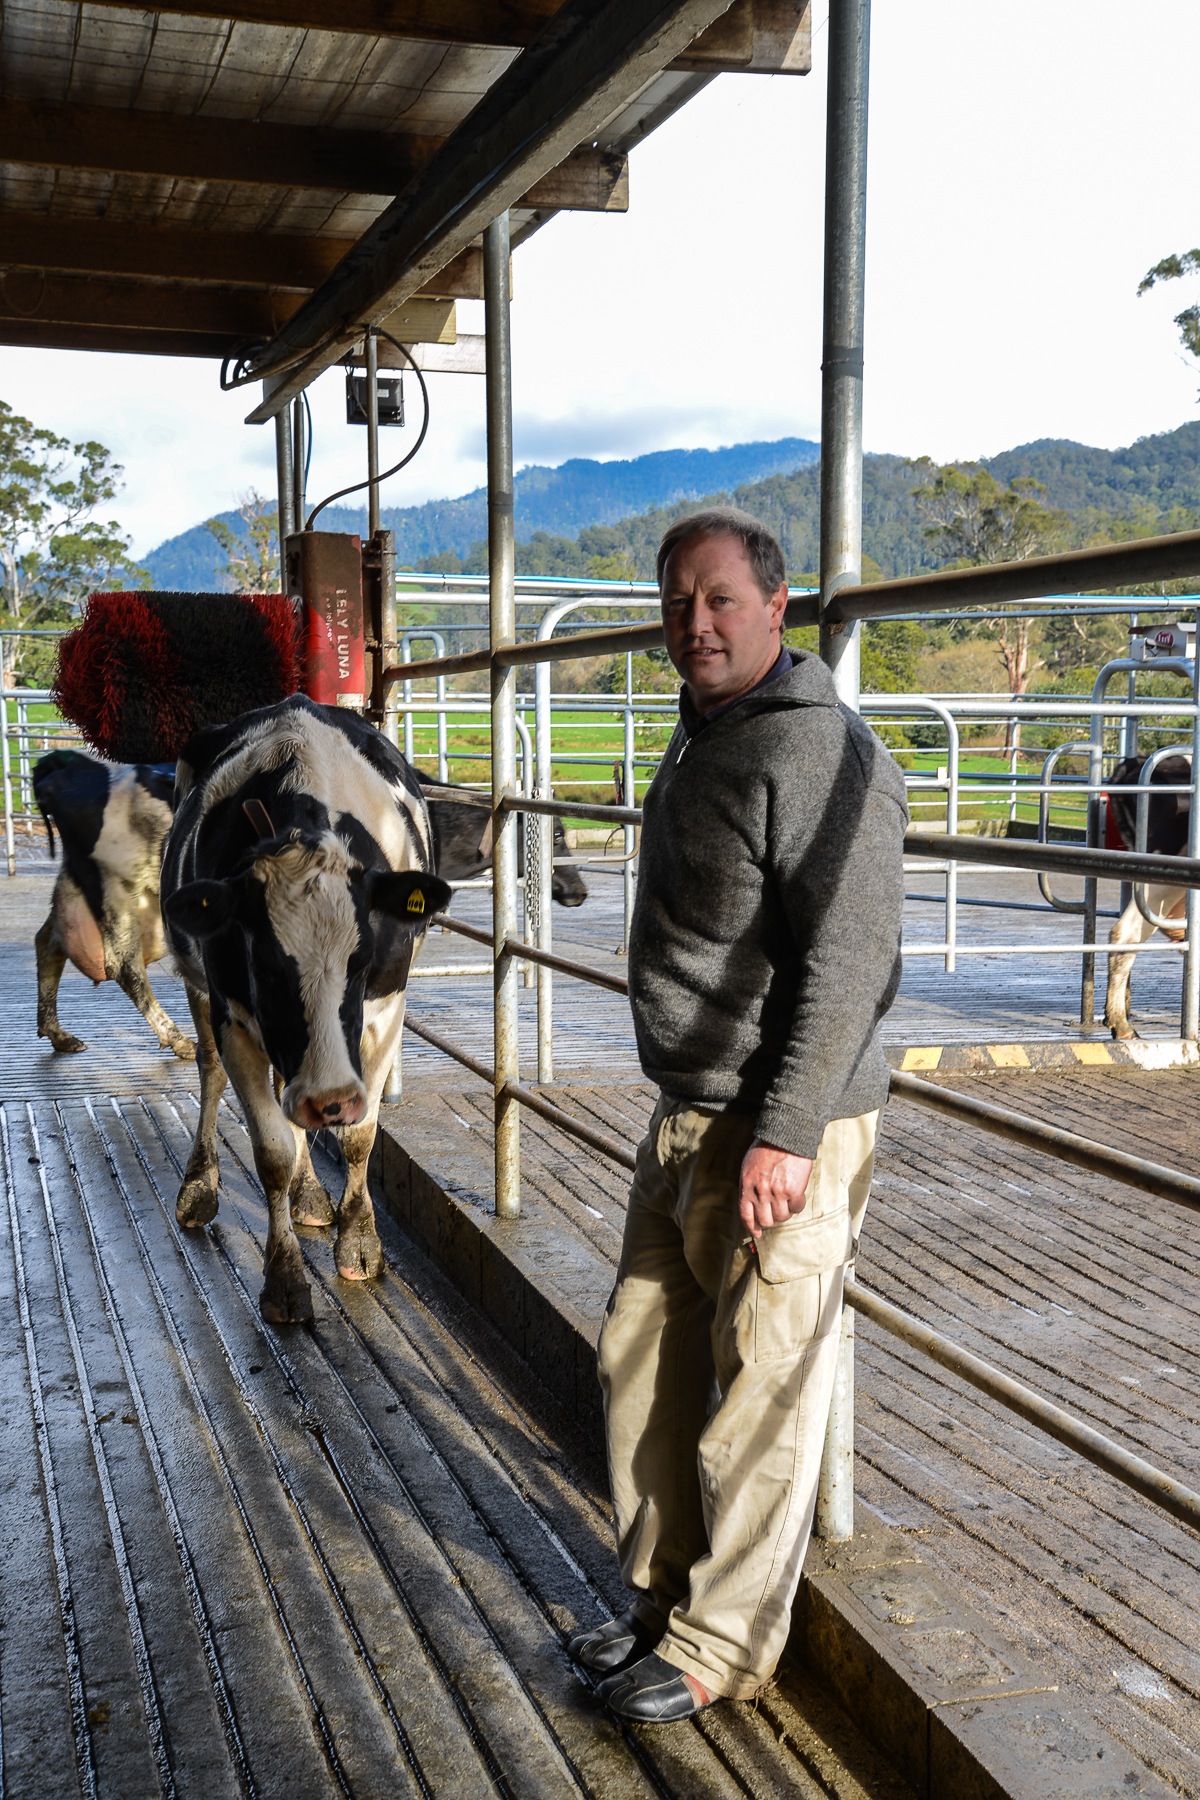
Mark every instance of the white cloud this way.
pixel 1027 165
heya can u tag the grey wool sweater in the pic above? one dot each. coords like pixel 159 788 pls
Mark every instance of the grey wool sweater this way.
pixel 765 946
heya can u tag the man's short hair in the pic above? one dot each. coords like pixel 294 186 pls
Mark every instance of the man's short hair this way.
pixel 762 548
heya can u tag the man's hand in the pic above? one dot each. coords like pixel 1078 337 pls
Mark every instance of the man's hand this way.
pixel 773 1186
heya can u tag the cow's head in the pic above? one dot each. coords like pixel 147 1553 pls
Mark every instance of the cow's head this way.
pixel 320 934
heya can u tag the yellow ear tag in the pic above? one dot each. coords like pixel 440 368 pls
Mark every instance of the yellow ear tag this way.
pixel 416 901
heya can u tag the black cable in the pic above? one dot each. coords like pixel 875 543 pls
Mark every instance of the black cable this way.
pixel 377 480
pixel 308 446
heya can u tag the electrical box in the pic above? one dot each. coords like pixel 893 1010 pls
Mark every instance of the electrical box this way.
pixel 1169 640
pixel 390 389
pixel 325 579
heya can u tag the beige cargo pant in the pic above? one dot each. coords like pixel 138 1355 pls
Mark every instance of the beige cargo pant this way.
pixel 717 1364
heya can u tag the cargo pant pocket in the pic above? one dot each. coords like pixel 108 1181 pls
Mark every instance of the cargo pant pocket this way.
pixel 797 1294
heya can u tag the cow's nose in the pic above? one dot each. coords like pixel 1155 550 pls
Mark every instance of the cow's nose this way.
pixel 344 1108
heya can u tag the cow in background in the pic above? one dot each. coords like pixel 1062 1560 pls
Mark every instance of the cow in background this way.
pixel 461 821
pixel 296 889
pixel 1166 835
pixel 112 819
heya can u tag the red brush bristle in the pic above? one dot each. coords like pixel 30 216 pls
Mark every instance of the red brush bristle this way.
pixel 145 670
pixel 282 635
pixel 117 675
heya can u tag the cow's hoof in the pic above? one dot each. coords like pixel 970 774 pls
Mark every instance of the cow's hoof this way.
pixel 311 1205
pixel 197 1203
pixel 183 1048
pixel 1123 1034
pixel 286 1303
pixel 358 1255
pixel 63 1044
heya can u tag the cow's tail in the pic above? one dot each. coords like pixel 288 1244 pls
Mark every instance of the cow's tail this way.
pixel 49 824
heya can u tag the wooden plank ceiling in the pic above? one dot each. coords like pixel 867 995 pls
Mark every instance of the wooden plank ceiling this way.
pixel 177 181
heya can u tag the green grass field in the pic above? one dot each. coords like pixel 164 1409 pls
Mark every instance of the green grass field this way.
pixel 587 744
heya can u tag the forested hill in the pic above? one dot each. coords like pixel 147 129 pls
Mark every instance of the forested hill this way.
pixel 560 501
pixel 605 519
pixel 1152 485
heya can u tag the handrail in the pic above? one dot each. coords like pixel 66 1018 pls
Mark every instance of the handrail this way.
pixel 1133 1471
pixel 1162 1490
pixel 1068 1146
pixel 1005 853
pixel 516 1090
pixel 1072 572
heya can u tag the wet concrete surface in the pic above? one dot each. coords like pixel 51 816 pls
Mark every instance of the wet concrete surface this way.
pixel 344 1560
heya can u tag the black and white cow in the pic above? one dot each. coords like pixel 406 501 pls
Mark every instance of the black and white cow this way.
pixel 1166 835
pixel 296 888
pixel 112 819
pixel 461 821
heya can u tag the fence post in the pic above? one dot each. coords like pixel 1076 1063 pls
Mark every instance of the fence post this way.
pixel 1190 1022
pixel 10 848
pixel 502 620
pixel 841 526
pixel 285 487
pixel 842 334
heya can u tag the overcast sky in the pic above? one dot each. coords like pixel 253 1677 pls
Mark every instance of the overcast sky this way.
pixel 1028 163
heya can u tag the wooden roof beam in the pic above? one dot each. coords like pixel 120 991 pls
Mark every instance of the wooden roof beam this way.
pixel 593 58
pixel 174 253
pixel 32 334
pixel 199 148
pixel 33 296
pixel 754 37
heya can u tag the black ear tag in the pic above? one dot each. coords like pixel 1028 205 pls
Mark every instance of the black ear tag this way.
pixel 416 901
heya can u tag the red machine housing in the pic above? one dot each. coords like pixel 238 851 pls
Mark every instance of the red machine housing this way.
pixel 325 579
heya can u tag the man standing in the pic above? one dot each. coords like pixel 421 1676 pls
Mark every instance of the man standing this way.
pixel 765 951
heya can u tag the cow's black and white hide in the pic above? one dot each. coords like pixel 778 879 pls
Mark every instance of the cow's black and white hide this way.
pixel 1166 835
pixel 112 819
pixel 296 888
pixel 461 821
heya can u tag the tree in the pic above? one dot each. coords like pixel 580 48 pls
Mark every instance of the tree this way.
pixel 973 520
pixel 1172 268
pixel 251 554
pixel 53 553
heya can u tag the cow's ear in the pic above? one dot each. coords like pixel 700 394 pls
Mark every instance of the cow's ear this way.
pixel 201 908
pixel 409 896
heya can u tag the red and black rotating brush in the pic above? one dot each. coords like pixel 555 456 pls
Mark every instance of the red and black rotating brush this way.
pixel 145 670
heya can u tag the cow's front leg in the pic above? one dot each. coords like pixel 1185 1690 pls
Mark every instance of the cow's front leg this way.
pixel 1131 928
pixel 197 1202
pixel 130 975
pixel 51 961
pixel 285 1299
pixel 357 1250
pixel 309 1202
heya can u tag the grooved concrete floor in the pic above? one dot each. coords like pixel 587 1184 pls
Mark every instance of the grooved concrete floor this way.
pixel 1087 1291
pixel 343 1560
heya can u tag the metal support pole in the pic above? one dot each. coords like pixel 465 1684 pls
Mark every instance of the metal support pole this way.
pixel 630 798
pixel 1190 1021
pixel 502 619
pixel 284 485
pixel 842 337
pixel 841 526
pixel 298 461
pixel 371 357
pixel 542 786
pixel 834 1516
pixel 10 848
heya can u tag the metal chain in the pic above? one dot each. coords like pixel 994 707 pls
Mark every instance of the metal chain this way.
pixel 533 876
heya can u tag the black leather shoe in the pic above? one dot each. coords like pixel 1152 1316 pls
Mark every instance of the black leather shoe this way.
pixel 653 1692
pixel 607 1648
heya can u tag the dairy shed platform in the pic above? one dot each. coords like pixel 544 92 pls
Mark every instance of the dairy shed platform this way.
pixel 243 1561
pixel 247 1561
